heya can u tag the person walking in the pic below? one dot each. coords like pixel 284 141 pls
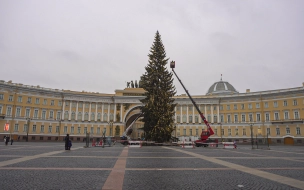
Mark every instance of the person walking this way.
pixel 12 140
pixel 7 140
pixel 67 138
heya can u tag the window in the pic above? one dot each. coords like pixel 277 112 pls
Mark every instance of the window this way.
pixel 18 111
pixel 74 104
pixel 190 118
pixel 79 117
pixel 236 131
pixel 92 130
pixel 27 113
pixel 228 107
pixel 73 116
pixel 16 128
pixel 244 131
pixel 236 118
pixel 9 111
pixel 190 132
pixel 184 131
pixel 276 116
pixel 196 119
pixel 258 117
pixel 51 114
pixel 72 130
pixel 184 118
pixel 65 129
pixel 25 128
pixel 58 115
pixel 10 98
pixel 57 129
pixel 66 115
pixel 208 108
pixel 275 104
pixel 105 106
pixel 35 114
pixel 266 104
pixel 250 118
pixel 215 119
pixel 92 116
pixel 52 102
pixel 209 118
pixel 228 119
pixel 249 106
pixel 221 107
pixel 98 116
pixel 298 131
pixel 267 116
pixel 235 106
pixel 296 115
pixel 278 131
pixel 66 103
pixel 222 118
pixel 1 97
pixel 87 105
pixel 229 132
pixel 243 118
pixel 34 128
pixel 105 117
pixel 196 132
pixel 268 131
pixel 78 130
pixel 295 102
pixel 80 105
pixel 19 99
pixel 29 100
pixel 242 106
pixel 223 131
pixel 287 131
pixel 285 103
pixel 0 109
pixel 111 116
pixel 86 116
pixel 45 102
pixel 43 114
pixel 85 130
pixel 50 129
pixel 98 130
pixel 214 108
pixel 286 115
pixel 257 105
pixel 59 103
pixel 37 100
pixel 42 129
pixel 190 108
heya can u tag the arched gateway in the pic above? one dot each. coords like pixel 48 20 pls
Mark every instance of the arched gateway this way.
pixel 130 116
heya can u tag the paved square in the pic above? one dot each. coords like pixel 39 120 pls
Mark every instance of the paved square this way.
pixel 48 166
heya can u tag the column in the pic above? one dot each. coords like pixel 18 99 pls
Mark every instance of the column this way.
pixel 108 119
pixel 206 112
pixel 212 113
pixel 83 104
pixel 96 105
pixel 90 111
pixel 76 115
pixel 218 114
pixel 120 112
pixel 199 117
pixel 193 116
pixel 181 114
pixel 102 111
pixel 187 113
pixel 63 106
pixel 70 112
pixel 114 113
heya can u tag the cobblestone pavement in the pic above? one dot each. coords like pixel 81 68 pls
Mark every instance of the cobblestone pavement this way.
pixel 48 166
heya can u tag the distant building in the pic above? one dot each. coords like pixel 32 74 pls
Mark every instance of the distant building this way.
pixel 52 113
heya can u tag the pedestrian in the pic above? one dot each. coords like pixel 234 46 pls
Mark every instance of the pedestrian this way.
pixel 18 138
pixel 70 145
pixel 234 144
pixel 67 138
pixel 4 139
pixel 12 140
pixel 7 140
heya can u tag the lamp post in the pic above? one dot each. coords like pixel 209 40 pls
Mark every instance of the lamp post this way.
pixel 111 127
pixel 104 136
pixel 27 128
pixel 251 128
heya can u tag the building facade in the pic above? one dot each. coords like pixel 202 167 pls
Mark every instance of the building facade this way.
pixel 43 114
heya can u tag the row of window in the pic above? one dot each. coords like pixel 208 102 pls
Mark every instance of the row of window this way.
pixel 235 106
pixel 67 103
pixel 236 118
pixel 243 131
pixel 65 129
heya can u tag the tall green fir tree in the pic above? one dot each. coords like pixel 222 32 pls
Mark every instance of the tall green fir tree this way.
pixel 157 81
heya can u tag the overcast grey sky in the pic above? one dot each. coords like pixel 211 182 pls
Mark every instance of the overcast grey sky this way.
pixel 99 45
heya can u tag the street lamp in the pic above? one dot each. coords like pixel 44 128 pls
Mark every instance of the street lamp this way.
pixel 27 128
pixel 104 136
pixel 111 127
pixel 251 124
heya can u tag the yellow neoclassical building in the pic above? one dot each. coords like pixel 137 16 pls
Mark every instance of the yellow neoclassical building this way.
pixel 42 114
